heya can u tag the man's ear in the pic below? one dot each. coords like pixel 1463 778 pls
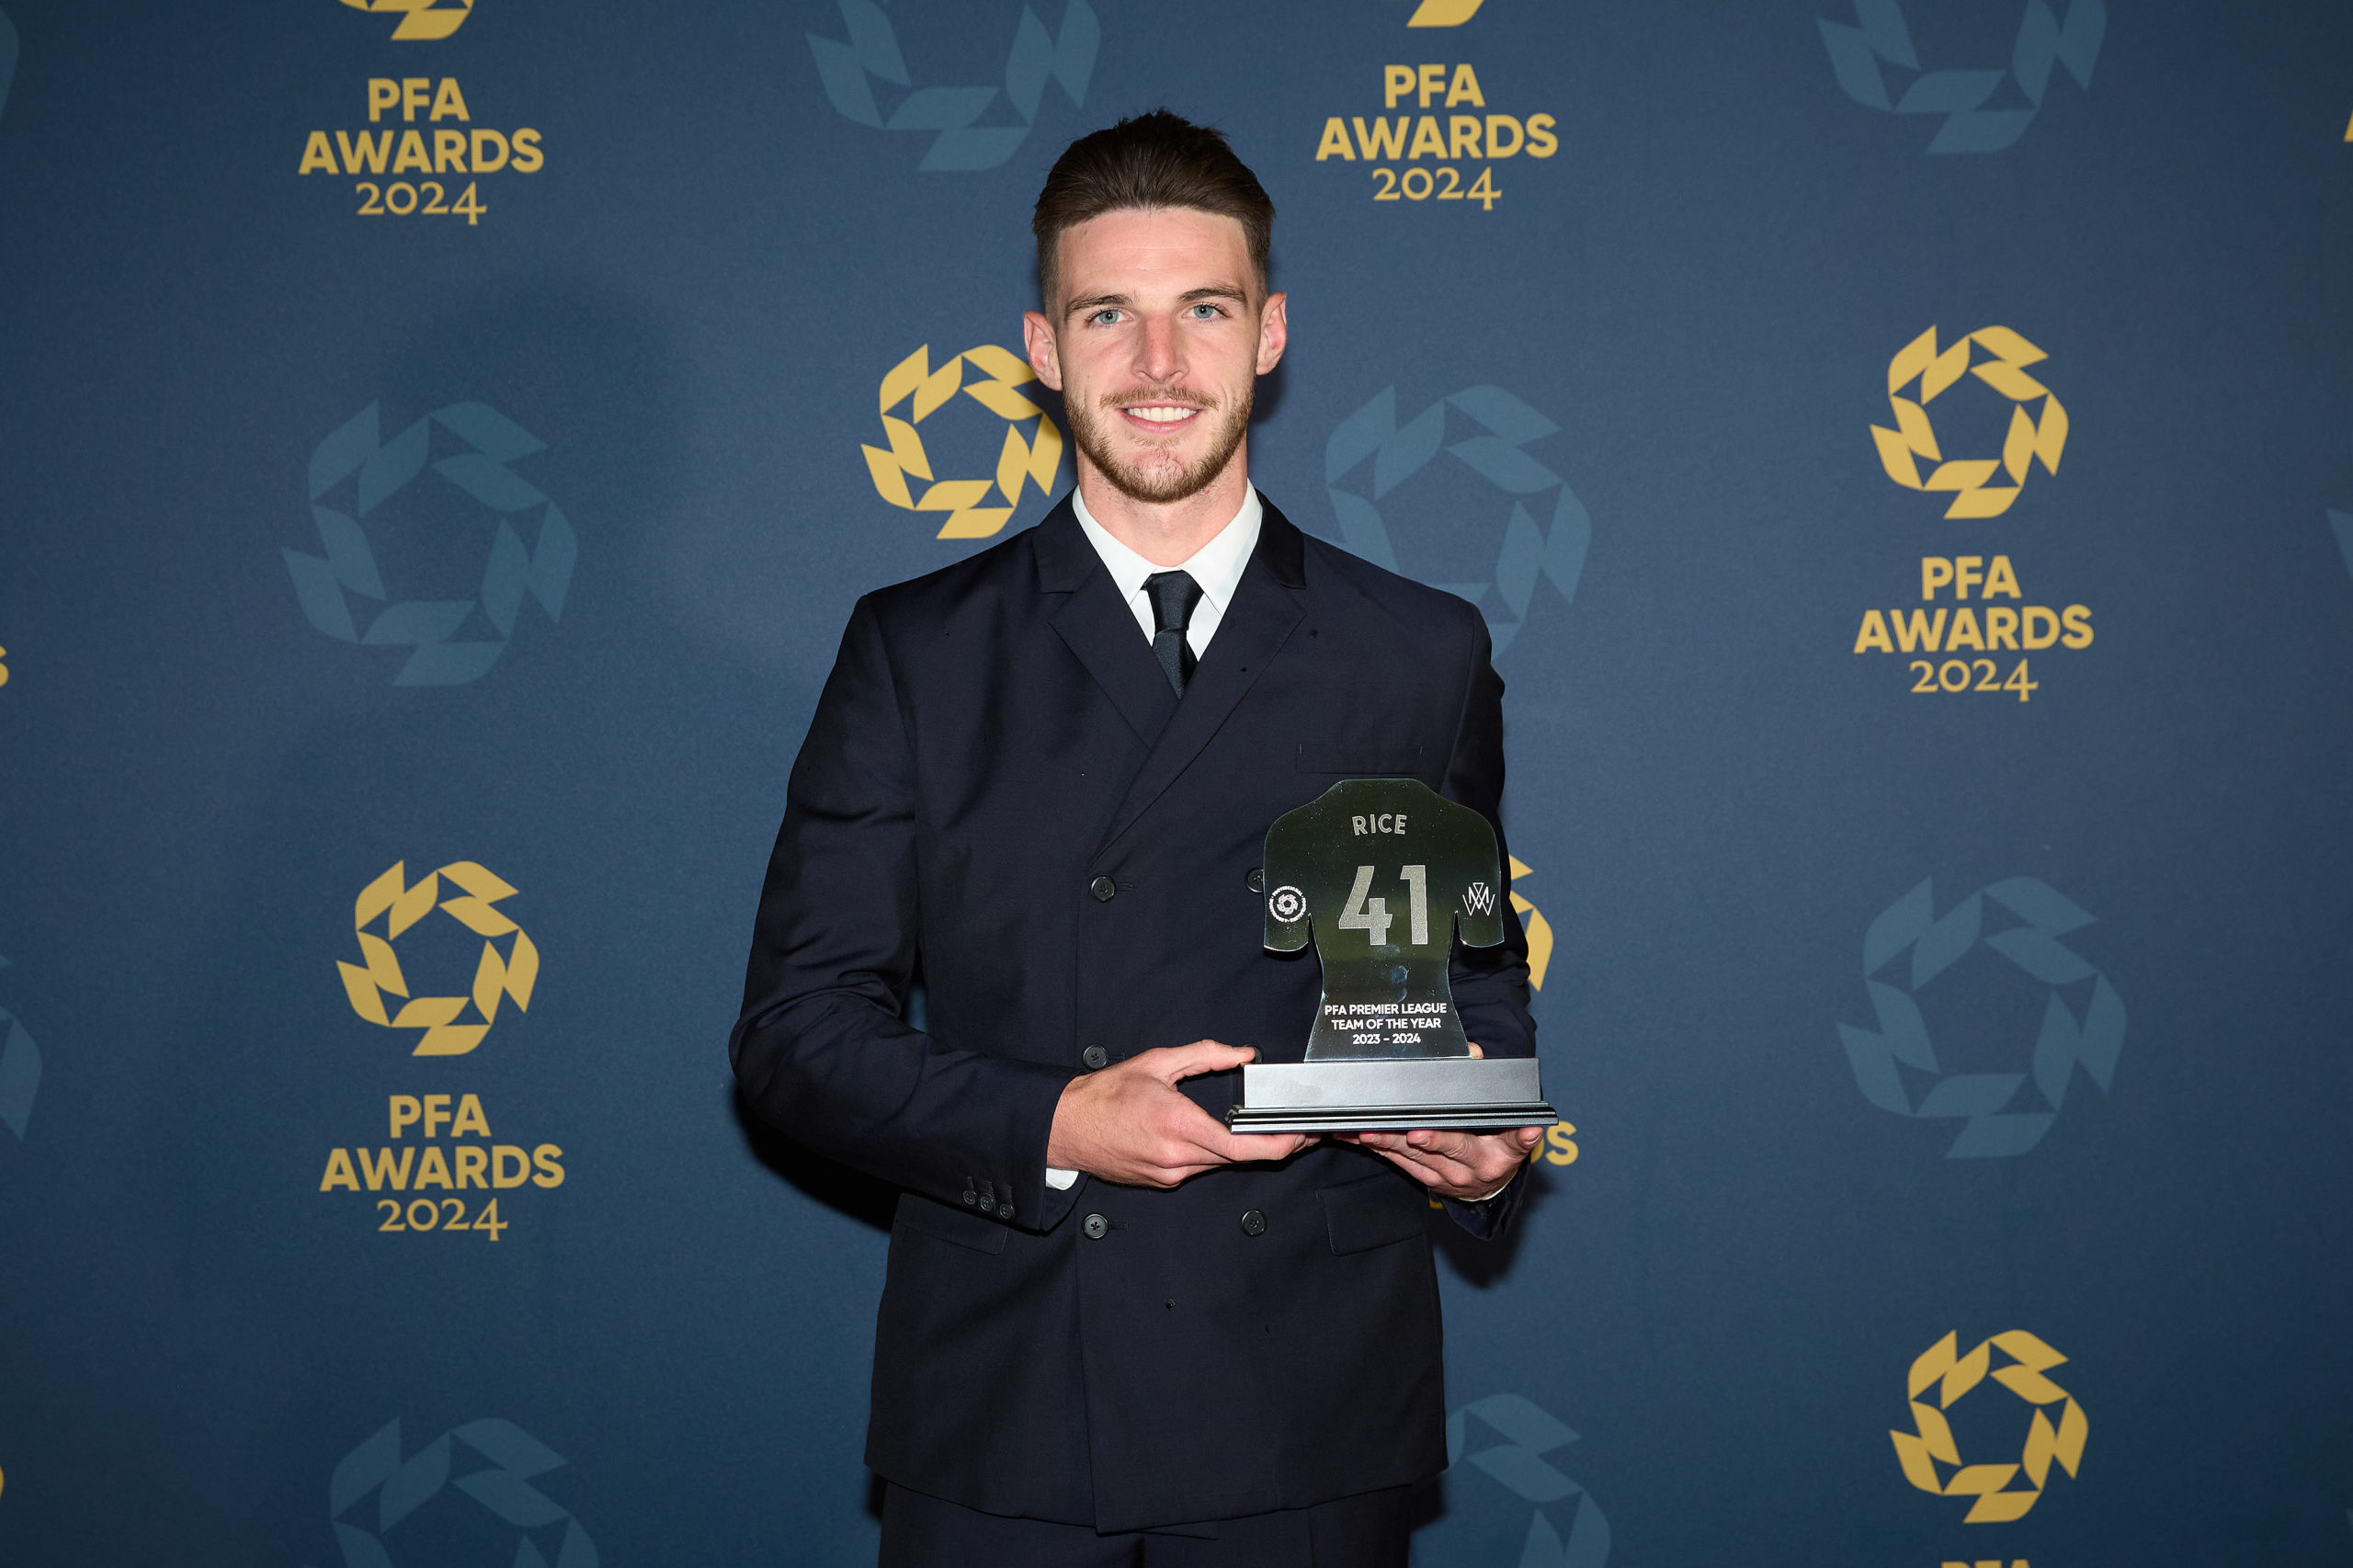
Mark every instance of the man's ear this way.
pixel 1038 336
pixel 1274 331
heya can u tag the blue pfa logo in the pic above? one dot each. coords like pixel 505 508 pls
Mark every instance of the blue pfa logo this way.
pixel 2342 522
pixel 480 442
pixel 501 1460
pixel 7 58
pixel 1880 38
pixel 1911 947
pixel 19 1072
pixel 1507 1438
pixel 850 67
pixel 1501 426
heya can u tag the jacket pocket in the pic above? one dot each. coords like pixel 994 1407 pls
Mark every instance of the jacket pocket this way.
pixel 1359 757
pixel 965 1229
pixel 1372 1211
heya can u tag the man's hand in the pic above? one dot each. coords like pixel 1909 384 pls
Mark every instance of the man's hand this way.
pixel 1464 1166
pixel 1130 1124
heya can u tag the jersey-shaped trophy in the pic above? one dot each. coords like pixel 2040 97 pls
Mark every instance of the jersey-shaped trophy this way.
pixel 1383 875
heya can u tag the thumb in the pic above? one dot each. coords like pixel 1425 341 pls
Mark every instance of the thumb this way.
pixel 1175 1061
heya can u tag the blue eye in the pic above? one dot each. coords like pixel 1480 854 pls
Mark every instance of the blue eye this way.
pixel 1206 313
pixel 1103 316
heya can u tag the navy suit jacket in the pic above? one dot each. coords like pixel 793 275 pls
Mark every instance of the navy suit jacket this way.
pixel 1001 798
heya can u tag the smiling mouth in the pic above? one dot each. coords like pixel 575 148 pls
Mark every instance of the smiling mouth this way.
pixel 1162 414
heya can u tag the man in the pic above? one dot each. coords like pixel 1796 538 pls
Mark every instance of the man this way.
pixel 1113 1332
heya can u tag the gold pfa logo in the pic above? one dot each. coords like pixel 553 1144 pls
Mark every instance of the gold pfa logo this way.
pixel 1429 14
pixel 1018 462
pixel 1539 930
pixel 399 906
pixel 420 19
pixel 1929 1446
pixel 2002 356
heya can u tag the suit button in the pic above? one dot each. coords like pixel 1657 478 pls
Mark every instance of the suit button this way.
pixel 1093 1056
pixel 1096 1227
pixel 1005 1209
pixel 1103 887
pixel 1254 1222
pixel 1257 881
pixel 970 1198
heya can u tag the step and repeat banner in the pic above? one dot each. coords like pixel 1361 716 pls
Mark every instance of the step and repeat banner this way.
pixel 1904 453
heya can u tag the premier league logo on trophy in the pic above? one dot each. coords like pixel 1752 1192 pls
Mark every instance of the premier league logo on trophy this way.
pixel 1383 874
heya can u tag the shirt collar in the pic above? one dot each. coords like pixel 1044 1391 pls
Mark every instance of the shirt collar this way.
pixel 1217 566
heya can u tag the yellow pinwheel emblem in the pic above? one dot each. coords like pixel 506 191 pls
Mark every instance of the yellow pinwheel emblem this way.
pixel 1018 462
pixel 420 18
pixel 1532 921
pixel 1930 1443
pixel 1914 437
pixel 510 975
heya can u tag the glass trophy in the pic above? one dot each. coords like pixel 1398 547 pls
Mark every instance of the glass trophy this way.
pixel 1382 874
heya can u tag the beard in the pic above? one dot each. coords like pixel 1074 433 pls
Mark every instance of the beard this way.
pixel 1157 477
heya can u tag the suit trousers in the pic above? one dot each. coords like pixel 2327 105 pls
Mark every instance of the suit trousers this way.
pixel 1368 1531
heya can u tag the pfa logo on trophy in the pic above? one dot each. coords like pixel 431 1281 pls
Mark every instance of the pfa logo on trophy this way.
pixel 914 389
pixel 2002 356
pixel 1983 110
pixel 1452 539
pixel 492 1463
pixel 507 976
pixel 479 582
pixel 1931 1458
pixel 421 20
pixel 1907 947
pixel 1443 13
pixel 850 67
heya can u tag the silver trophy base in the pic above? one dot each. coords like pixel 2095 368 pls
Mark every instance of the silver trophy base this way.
pixel 1392 1095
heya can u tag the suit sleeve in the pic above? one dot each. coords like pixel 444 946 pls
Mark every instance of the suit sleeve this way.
pixel 822 1050
pixel 1490 983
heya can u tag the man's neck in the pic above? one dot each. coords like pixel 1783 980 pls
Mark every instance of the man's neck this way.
pixel 1166 533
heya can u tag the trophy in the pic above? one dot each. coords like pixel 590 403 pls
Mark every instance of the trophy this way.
pixel 1382 874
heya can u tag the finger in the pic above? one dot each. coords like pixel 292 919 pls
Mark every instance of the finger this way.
pixel 1442 1169
pixel 1199 1129
pixel 1492 1157
pixel 1245 1148
pixel 1476 1054
pixel 1415 1168
pixel 1171 1062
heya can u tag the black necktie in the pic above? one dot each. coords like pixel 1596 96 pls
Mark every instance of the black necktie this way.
pixel 1173 595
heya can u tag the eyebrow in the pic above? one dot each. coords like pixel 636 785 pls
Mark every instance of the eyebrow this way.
pixel 1190 296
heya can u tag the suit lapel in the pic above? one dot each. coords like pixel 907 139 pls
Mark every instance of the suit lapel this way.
pixel 1265 612
pixel 1098 627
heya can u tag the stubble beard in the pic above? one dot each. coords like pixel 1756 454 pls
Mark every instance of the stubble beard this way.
pixel 1161 482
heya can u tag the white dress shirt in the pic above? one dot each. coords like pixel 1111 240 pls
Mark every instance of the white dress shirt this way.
pixel 1216 566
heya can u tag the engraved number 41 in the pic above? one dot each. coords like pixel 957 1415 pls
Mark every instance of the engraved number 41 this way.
pixel 1372 917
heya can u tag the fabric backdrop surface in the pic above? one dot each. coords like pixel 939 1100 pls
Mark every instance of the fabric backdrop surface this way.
pixel 1902 449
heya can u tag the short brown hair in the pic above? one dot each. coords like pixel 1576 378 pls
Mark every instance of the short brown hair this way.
pixel 1154 160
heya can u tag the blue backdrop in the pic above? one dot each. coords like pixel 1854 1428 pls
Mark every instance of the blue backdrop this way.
pixel 1902 451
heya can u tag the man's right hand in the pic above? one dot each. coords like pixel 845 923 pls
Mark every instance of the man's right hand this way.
pixel 1130 1124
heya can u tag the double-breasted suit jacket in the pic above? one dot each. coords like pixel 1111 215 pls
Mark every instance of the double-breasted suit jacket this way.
pixel 1000 798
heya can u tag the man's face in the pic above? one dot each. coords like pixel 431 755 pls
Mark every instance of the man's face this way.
pixel 1156 344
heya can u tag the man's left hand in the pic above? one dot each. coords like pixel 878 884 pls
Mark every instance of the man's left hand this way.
pixel 1464 1166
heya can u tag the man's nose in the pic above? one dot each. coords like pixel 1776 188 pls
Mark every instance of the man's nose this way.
pixel 1160 355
